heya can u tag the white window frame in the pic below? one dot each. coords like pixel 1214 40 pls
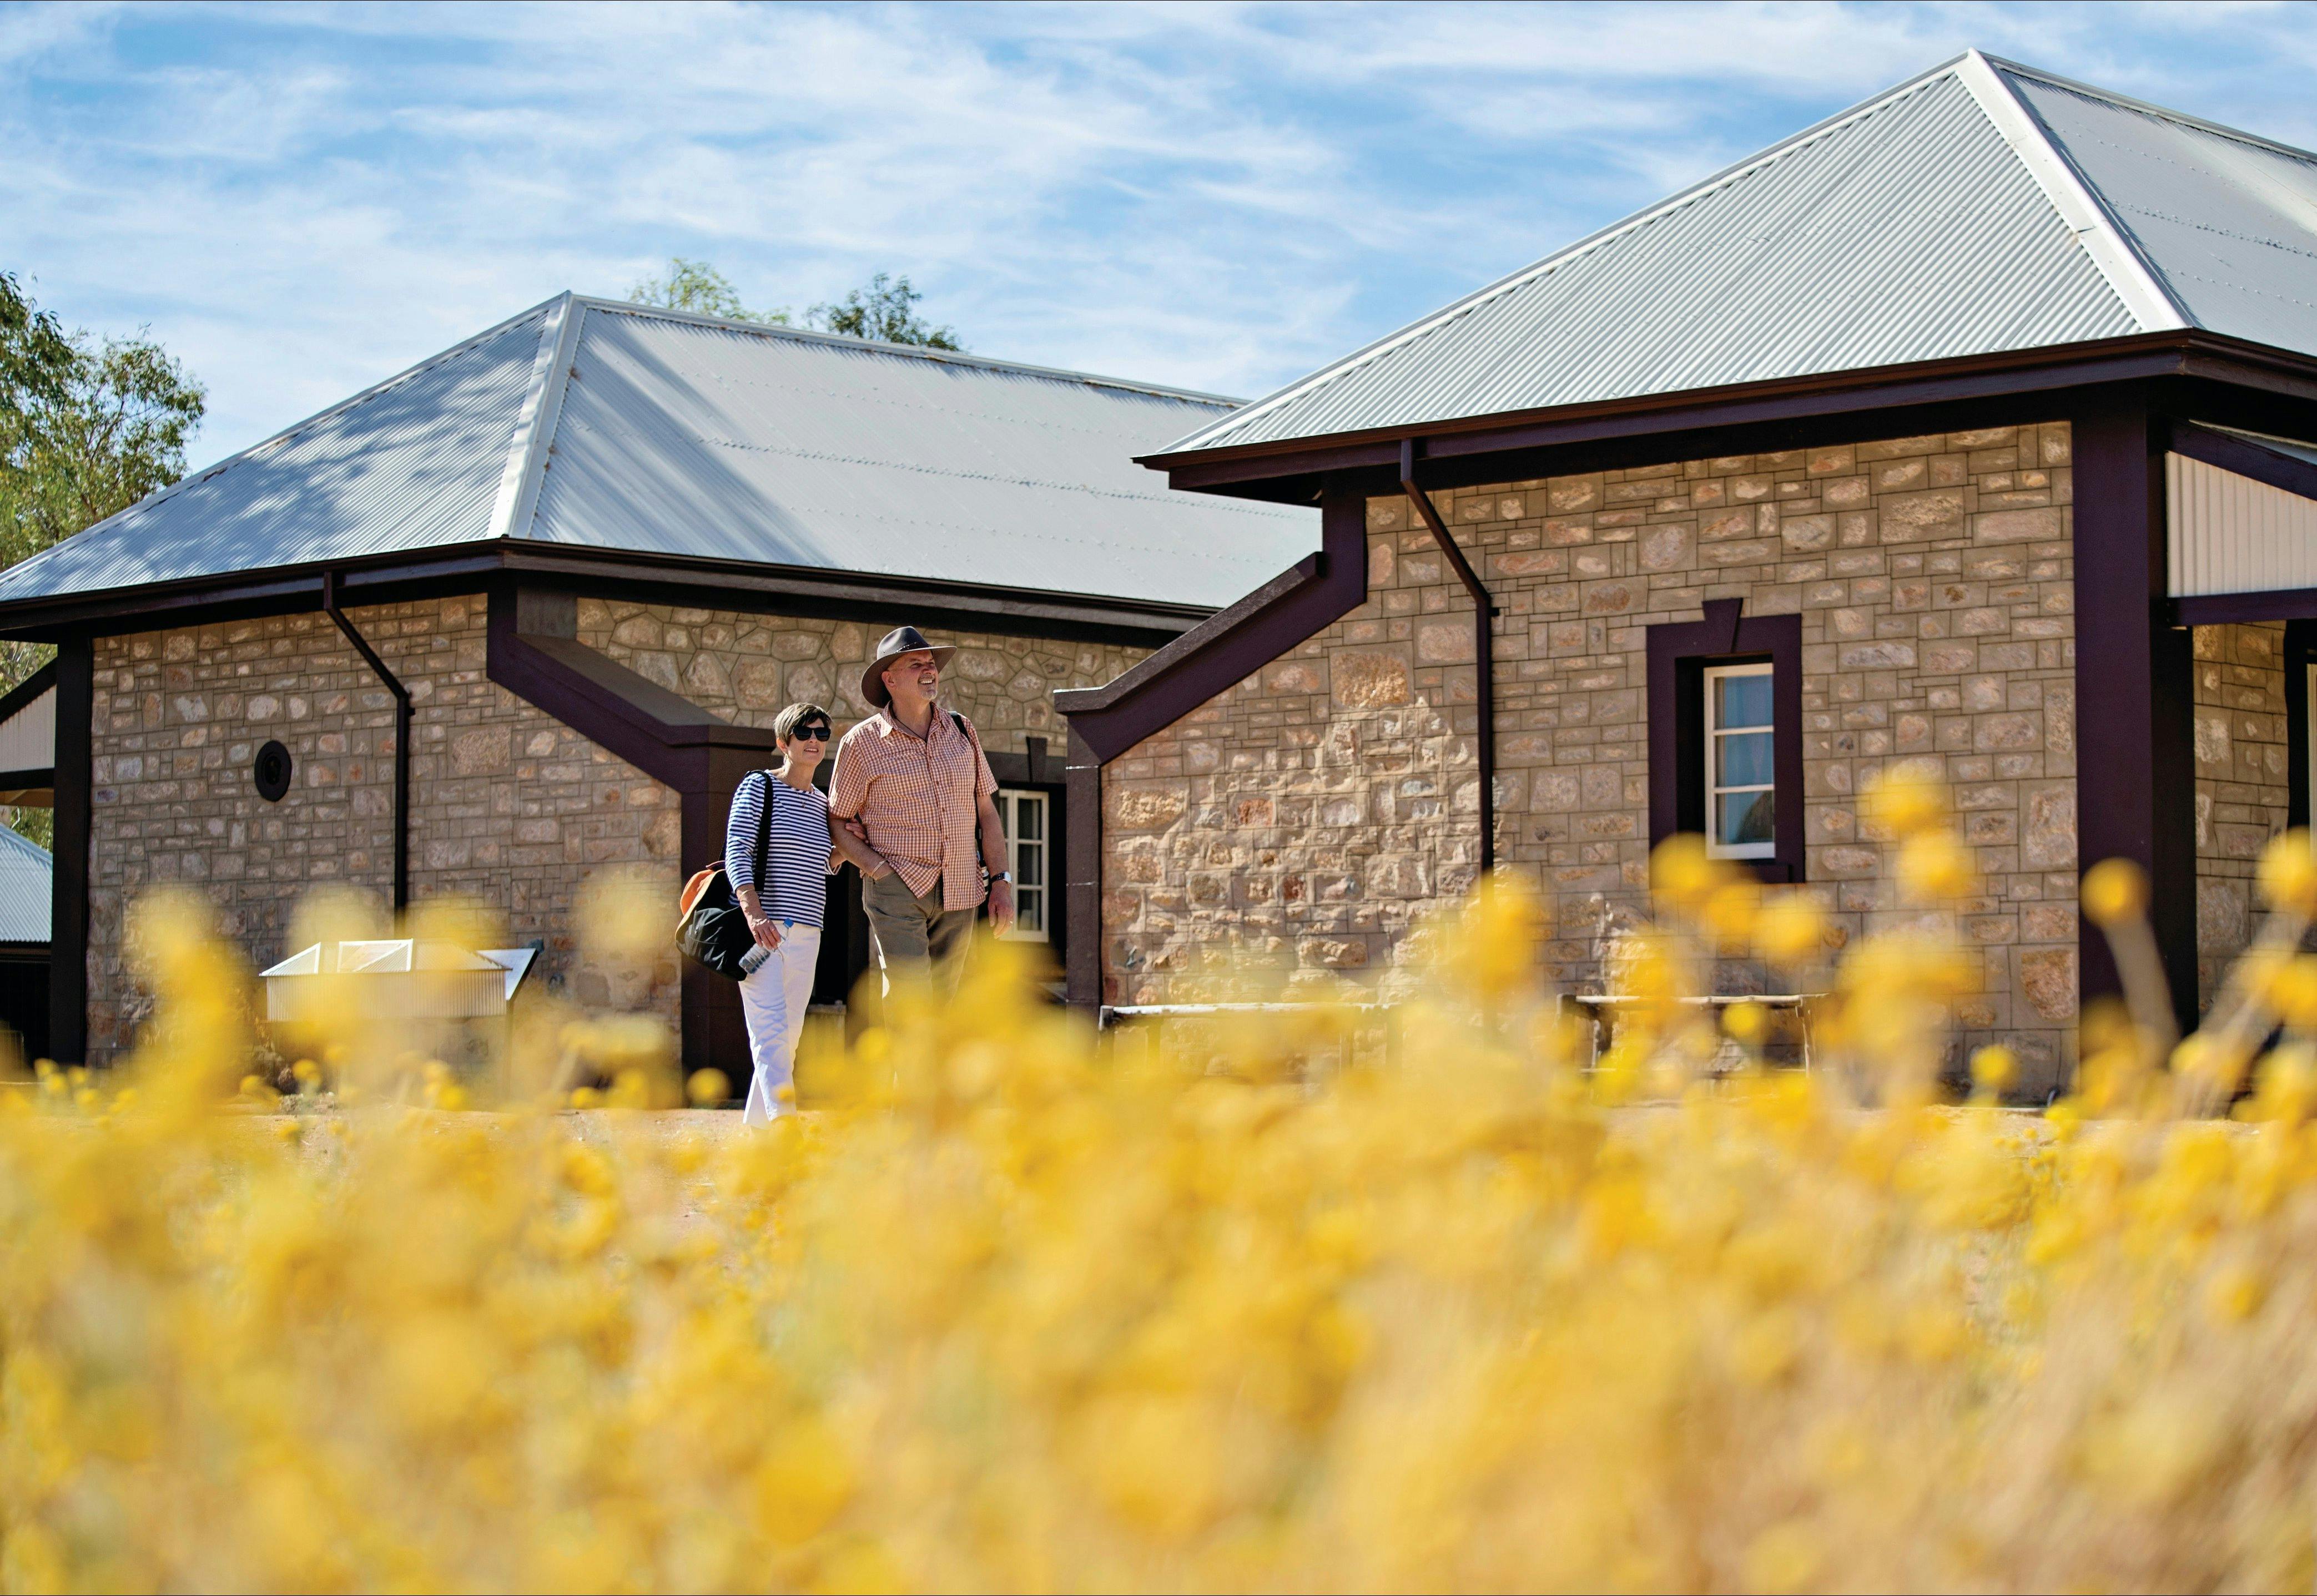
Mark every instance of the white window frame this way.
pixel 1010 802
pixel 1714 847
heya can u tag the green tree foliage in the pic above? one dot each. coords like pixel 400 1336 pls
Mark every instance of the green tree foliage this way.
pixel 87 428
pixel 700 289
pixel 884 312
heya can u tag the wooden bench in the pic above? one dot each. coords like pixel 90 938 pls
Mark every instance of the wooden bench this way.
pixel 1599 1007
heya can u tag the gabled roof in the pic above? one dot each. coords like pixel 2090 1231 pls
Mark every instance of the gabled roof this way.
pixel 596 425
pixel 1979 208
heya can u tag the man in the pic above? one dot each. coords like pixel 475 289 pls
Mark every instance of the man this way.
pixel 912 781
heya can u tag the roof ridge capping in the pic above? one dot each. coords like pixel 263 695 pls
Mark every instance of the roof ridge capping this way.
pixel 947 357
pixel 2110 244
pixel 2092 91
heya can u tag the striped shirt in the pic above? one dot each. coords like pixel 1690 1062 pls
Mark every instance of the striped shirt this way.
pixel 918 800
pixel 796 847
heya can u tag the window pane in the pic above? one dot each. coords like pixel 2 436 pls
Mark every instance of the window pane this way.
pixel 1030 864
pixel 1741 700
pixel 1743 760
pixel 1745 818
pixel 1030 819
pixel 1030 912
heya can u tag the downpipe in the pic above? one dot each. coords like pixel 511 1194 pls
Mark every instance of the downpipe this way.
pixel 401 739
pixel 1484 637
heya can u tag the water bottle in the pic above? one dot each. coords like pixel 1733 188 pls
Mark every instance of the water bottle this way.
pixel 754 959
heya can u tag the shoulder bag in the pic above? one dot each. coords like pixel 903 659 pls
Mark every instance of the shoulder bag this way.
pixel 710 928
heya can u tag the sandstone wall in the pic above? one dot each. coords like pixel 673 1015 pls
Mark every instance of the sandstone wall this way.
pixel 748 667
pixel 509 807
pixel 1312 815
pixel 2241 782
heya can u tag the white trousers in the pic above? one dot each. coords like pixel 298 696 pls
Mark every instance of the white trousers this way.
pixel 774 998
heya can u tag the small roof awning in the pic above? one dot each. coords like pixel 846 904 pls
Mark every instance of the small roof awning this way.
pixel 2241 512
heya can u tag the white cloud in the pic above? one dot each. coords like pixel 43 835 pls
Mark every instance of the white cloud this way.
pixel 300 201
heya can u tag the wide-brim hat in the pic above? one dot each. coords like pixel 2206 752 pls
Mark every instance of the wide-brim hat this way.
pixel 900 640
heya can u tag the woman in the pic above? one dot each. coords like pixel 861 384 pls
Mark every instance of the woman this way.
pixel 784 910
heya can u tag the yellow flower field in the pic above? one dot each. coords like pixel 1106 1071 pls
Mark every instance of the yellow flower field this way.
pixel 1256 1309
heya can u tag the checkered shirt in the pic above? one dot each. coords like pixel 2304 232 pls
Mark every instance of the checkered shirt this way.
pixel 917 798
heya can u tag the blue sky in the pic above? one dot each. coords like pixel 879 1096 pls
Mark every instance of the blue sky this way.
pixel 300 201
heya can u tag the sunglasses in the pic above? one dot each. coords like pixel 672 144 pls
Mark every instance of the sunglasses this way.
pixel 819 734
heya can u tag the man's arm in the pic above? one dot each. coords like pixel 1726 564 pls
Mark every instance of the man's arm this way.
pixel 847 787
pixel 993 860
pixel 872 863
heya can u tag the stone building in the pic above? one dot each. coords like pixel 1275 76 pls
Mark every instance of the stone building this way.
pixel 1957 428
pixel 527 610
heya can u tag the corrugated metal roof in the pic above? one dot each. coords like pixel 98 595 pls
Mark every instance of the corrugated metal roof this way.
pixel 412 463
pixel 1978 209
pixel 593 424
pixel 2227 221
pixel 685 436
pixel 25 870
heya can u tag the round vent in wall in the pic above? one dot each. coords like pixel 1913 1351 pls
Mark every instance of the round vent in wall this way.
pixel 272 772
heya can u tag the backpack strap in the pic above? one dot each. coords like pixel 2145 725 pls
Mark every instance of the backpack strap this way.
pixel 763 832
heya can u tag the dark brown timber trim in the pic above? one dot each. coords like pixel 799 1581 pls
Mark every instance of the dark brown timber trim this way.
pixel 1484 648
pixel 534 654
pixel 1971 377
pixel 2300 649
pixel 1211 658
pixel 76 679
pixel 31 687
pixel 773 589
pixel 1678 655
pixel 2135 782
pixel 1082 876
pixel 2230 609
pixel 401 738
pixel 2246 457
pixel 1232 645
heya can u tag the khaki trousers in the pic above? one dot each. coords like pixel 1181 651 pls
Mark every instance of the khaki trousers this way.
pixel 909 930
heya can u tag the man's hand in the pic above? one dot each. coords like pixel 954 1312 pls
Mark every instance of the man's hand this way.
pixel 767 934
pixel 1001 907
pixel 859 831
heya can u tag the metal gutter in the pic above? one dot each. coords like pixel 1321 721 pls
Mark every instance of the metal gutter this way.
pixel 1484 648
pixel 401 737
pixel 2056 365
pixel 284 589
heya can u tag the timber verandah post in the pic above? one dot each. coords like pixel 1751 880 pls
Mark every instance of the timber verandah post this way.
pixel 2135 772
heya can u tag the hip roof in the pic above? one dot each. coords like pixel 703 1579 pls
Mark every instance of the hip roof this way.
pixel 1982 208
pixel 590 424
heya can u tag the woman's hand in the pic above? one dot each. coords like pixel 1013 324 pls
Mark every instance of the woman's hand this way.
pixel 767 934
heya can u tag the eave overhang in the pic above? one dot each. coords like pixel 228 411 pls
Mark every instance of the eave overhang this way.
pixel 478 567
pixel 1472 449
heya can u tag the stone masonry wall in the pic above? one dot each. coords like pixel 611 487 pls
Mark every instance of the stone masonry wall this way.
pixel 509 807
pixel 1312 815
pixel 2241 782
pixel 748 667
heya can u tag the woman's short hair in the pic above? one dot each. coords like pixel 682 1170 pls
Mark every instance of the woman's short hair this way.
pixel 785 723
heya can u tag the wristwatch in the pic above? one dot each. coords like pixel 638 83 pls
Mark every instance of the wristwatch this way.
pixel 998 875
